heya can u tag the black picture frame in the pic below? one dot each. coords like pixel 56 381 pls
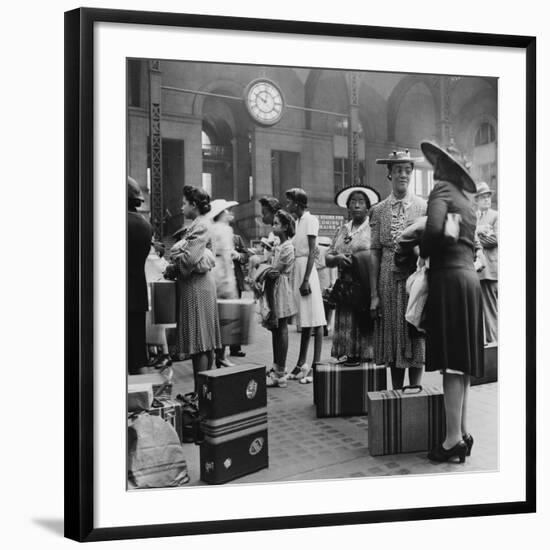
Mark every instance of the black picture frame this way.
pixel 79 272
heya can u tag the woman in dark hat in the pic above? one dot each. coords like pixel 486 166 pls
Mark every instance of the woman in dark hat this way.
pixel 454 310
pixel 352 336
pixel 397 344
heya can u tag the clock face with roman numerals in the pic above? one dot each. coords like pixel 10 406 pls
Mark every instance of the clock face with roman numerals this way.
pixel 264 101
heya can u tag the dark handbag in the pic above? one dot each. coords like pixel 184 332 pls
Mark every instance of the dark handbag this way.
pixel 350 295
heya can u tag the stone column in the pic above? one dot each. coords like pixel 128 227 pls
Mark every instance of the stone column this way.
pixel 446 133
pixel 353 129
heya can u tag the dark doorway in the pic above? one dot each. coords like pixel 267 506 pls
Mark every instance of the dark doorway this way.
pixel 285 172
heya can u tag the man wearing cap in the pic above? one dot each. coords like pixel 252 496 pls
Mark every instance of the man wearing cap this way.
pixel 138 245
pixel 487 233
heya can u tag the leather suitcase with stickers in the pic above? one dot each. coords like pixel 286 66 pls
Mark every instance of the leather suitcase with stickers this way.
pixel 234 446
pixel 233 409
pixel 231 390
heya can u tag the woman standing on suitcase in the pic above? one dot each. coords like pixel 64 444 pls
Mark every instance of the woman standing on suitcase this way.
pixel 353 334
pixel 397 344
pixel 454 310
pixel 198 330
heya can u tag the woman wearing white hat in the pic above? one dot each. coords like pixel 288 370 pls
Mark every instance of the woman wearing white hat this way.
pixel 353 336
pixel 397 344
pixel 224 250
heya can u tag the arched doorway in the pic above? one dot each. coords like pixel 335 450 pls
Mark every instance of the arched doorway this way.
pixel 217 159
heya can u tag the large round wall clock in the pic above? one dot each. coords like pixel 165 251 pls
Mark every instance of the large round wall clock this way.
pixel 264 101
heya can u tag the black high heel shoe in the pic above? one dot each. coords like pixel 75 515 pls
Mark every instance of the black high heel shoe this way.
pixel 440 454
pixel 469 440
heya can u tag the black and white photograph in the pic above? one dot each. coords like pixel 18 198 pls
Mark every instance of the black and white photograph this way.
pixel 312 270
pixel 300 274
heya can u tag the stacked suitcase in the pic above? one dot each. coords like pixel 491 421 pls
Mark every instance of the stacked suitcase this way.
pixel 340 389
pixel 233 408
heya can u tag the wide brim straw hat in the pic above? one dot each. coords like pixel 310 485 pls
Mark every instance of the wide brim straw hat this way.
pixel 396 157
pixel 218 206
pixel 343 195
pixel 449 160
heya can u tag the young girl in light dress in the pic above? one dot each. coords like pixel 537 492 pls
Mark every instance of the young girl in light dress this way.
pixel 284 305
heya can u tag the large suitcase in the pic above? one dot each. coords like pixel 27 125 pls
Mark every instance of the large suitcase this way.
pixel 490 357
pixel 236 320
pixel 233 408
pixel 231 390
pixel 234 446
pixel 163 302
pixel 341 389
pixel 405 421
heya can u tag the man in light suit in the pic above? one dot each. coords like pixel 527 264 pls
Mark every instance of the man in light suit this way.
pixel 487 232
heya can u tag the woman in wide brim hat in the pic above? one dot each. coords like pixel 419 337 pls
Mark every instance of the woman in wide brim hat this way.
pixel 224 250
pixel 343 196
pixel 350 253
pixel 449 164
pixel 218 206
pixel 454 310
pixel 397 345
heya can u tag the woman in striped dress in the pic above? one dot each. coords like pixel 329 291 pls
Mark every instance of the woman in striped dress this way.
pixel 198 331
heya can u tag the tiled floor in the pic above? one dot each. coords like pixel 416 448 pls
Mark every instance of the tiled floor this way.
pixel 304 447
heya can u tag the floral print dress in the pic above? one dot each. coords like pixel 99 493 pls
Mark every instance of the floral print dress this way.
pixel 396 342
pixel 348 339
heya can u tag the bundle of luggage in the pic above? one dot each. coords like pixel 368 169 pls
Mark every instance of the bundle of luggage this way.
pixel 158 425
pixel 228 419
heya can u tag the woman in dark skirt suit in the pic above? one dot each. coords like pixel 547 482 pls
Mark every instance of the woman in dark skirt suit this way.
pixel 454 322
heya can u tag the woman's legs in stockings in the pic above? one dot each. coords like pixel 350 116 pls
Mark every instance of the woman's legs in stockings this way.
pixel 282 346
pixel 454 398
pixel 201 362
pixel 397 377
pixel 464 420
pixel 317 344
pixel 415 375
pixel 304 345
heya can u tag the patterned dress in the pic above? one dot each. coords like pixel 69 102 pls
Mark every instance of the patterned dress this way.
pixel 396 342
pixel 198 327
pixel 348 339
pixel 284 304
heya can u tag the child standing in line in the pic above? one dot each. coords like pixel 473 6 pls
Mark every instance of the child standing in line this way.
pixel 284 305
